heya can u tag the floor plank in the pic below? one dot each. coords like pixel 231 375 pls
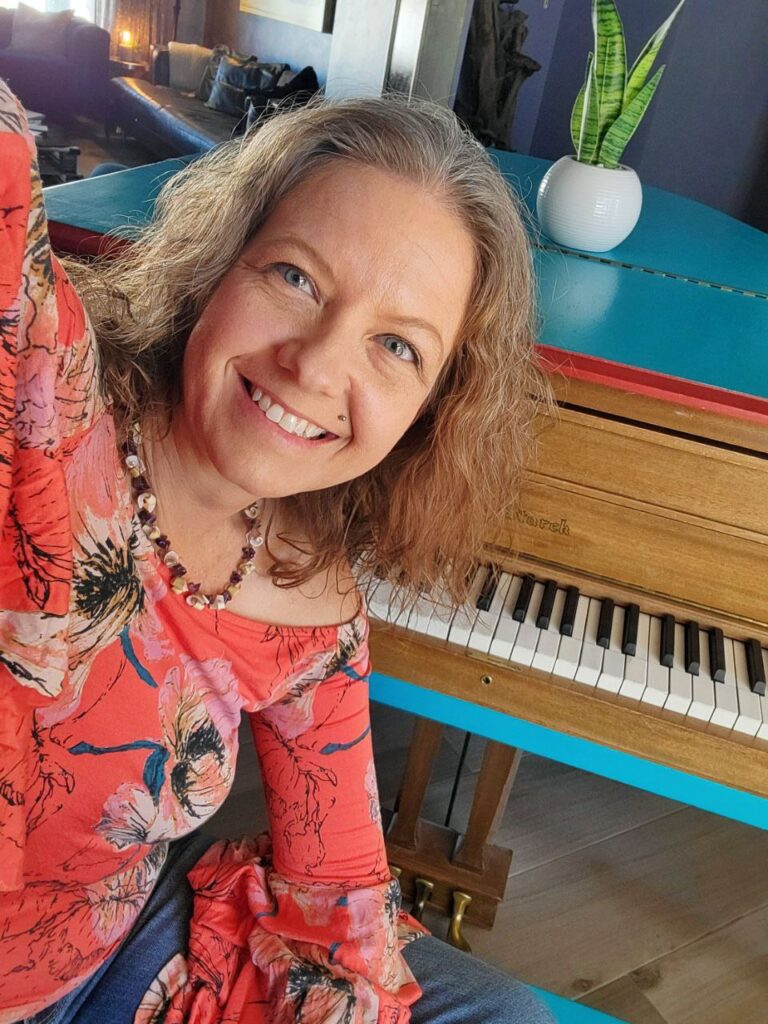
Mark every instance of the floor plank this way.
pixel 624 1000
pixel 584 920
pixel 721 979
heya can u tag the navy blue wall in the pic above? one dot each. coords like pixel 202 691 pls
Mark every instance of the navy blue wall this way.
pixel 706 132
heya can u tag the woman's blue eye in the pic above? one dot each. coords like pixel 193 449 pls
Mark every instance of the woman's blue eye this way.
pixel 294 277
pixel 401 349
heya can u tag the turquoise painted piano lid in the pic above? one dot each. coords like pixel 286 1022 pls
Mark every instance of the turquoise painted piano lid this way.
pixel 707 324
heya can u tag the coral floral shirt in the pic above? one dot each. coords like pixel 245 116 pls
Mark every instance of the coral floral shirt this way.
pixel 119 714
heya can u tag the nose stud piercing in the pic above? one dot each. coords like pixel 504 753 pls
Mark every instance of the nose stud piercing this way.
pixel 343 418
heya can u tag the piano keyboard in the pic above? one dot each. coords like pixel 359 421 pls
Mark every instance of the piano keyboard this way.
pixel 651 659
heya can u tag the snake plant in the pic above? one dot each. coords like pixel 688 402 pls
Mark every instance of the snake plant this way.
pixel 611 103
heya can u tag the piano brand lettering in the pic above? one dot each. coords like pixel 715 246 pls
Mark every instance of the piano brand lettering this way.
pixel 542 523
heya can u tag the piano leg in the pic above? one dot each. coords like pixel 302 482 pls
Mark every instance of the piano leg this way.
pixel 424 748
pixel 422 849
pixel 497 774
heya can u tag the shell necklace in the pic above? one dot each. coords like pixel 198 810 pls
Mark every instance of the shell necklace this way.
pixel 146 503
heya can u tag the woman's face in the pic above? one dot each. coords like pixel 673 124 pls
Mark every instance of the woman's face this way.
pixel 340 312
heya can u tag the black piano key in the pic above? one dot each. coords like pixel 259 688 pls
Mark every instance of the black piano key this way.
pixel 490 583
pixel 605 623
pixel 547 602
pixel 523 598
pixel 631 620
pixel 569 611
pixel 717 655
pixel 667 648
pixel 692 653
pixel 755 667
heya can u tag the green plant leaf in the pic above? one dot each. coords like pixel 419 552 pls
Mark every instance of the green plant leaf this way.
pixel 623 128
pixel 610 62
pixel 590 120
pixel 576 114
pixel 644 63
pixel 578 108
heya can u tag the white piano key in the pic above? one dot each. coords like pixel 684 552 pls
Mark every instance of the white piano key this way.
pixel 464 619
pixel 636 665
pixel 485 625
pixel 750 717
pixel 379 600
pixel 591 656
pixel 506 630
pixel 703 702
pixel 568 652
pixel 545 655
pixel 657 679
pixel 527 637
pixel 680 685
pixel 612 673
pixel 549 639
pixel 441 618
pixel 421 613
pixel 525 643
pixel 726 702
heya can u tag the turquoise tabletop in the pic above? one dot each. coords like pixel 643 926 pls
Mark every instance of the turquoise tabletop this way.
pixel 674 235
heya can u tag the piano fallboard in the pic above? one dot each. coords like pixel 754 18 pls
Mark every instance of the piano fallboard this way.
pixel 620 506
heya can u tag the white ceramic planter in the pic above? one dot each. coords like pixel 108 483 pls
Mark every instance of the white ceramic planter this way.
pixel 585 207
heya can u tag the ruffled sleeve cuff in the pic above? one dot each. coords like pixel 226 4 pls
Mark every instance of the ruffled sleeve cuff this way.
pixel 263 948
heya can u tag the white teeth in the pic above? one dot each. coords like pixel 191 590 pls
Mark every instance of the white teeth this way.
pixel 287 421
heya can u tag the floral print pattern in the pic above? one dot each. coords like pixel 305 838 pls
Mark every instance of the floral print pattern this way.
pixel 120 708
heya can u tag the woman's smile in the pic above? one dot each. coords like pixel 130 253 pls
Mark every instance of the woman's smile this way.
pixel 267 411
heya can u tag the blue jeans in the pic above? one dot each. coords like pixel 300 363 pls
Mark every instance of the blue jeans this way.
pixel 457 988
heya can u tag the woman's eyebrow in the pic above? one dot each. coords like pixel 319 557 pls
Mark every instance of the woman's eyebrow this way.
pixel 302 246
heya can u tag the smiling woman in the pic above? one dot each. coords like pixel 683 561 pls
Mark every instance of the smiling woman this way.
pixel 322 343
pixel 412 274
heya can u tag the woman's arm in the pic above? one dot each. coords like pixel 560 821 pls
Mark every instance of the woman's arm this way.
pixel 316 758
pixel 47 366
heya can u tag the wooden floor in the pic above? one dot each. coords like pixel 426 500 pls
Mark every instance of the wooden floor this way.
pixel 651 911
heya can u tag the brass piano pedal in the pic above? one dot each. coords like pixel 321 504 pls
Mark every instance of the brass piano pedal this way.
pixel 461 901
pixel 423 889
pixel 395 871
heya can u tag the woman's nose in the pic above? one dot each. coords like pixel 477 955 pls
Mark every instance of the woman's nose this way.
pixel 318 360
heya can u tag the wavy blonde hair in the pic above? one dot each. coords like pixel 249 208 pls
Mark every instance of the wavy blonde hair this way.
pixel 421 516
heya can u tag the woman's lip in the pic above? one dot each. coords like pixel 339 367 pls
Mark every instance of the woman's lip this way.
pixel 249 386
pixel 307 442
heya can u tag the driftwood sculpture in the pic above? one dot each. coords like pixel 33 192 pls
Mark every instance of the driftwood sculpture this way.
pixel 493 70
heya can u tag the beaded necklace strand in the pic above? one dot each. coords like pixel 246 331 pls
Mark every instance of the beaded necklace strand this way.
pixel 146 504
